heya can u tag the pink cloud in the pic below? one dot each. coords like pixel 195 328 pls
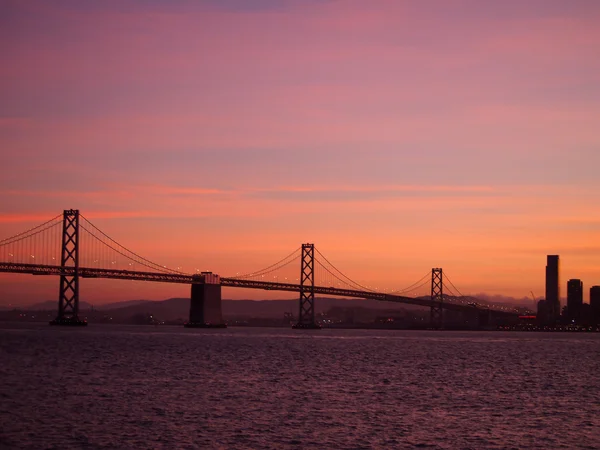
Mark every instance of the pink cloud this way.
pixel 418 133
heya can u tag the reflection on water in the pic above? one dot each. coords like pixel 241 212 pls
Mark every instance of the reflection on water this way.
pixel 169 387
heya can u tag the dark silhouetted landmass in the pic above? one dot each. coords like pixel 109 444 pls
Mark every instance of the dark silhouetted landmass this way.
pixel 84 306
pixel 176 310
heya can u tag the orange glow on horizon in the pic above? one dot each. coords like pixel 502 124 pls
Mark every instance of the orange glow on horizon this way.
pixel 395 136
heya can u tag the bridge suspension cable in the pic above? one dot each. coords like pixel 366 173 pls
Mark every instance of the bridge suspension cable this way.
pixel 29 232
pixel 37 245
pixel 321 276
pixel 341 276
pixel 453 291
pixel 294 256
pixel 425 279
pixel 117 248
pixel 446 278
pixel 448 291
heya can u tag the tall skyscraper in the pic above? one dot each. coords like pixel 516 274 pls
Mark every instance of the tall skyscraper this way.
pixel 595 304
pixel 574 299
pixel 552 287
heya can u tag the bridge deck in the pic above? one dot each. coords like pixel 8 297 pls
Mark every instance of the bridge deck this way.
pixel 87 272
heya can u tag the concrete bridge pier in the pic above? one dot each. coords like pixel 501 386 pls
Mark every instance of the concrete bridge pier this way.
pixel 205 302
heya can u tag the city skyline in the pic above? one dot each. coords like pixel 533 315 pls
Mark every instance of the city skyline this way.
pixel 397 137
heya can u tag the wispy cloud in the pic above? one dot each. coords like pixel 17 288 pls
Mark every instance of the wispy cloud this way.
pixel 35 218
pixel 361 193
pixel 462 134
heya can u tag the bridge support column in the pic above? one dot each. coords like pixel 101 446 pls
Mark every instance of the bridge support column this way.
pixel 437 297
pixel 205 302
pixel 306 316
pixel 68 296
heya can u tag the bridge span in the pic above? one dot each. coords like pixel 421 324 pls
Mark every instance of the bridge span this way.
pixel 205 303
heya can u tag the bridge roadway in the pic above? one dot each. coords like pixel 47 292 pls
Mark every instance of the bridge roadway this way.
pixel 181 278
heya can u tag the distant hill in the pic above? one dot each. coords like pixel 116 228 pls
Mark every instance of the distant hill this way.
pixel 264 308
pixel 117 305
pixel 179 308
pixel 50 305
pixel 171 309
pixel 276 308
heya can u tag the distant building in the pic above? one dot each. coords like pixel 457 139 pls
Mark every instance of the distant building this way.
pixel 574 300
pixel 552 287
pixel 595 304
pixel 542 313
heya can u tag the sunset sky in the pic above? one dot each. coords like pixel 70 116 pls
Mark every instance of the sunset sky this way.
pixel 396 135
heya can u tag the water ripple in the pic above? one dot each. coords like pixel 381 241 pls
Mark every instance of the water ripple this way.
pixel 138 387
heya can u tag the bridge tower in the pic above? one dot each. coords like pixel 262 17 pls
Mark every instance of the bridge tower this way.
pixel 68 295
pixel 306 316
pixel 437 298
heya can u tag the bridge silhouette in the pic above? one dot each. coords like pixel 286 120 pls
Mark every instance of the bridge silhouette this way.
pixel 71 247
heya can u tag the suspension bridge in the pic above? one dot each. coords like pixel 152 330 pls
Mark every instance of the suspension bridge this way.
pixel 71 247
